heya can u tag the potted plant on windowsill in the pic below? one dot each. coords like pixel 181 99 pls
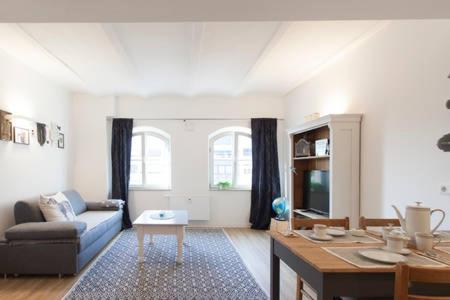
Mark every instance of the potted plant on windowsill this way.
pixel 223 185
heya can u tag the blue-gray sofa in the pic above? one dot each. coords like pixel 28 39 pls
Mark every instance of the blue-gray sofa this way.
pixel 34 246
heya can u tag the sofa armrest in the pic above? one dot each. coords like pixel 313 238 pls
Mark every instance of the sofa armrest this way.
pixel 46 231
pixel 108 205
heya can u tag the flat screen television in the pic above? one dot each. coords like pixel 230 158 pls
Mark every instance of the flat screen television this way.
pixel 316 191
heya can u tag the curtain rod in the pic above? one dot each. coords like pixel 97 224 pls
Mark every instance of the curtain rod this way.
pixel 191 119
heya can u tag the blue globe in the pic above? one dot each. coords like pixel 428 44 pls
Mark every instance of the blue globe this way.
pixel 279 207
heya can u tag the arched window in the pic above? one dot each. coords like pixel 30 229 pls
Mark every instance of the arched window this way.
pixel 230 151
pixel 150 159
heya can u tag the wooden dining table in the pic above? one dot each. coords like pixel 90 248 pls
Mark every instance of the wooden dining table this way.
pixel 329 275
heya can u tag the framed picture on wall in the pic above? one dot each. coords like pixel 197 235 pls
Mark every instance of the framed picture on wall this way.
pixel 21 136
pixel 5 126
pixel 61 141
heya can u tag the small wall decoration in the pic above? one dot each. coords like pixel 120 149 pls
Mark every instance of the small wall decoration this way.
pixel 54 130
pixel 21 136
pixel 5 126
pixel 444 142
pixel 41 133
pixel 61 141
pixel 302 148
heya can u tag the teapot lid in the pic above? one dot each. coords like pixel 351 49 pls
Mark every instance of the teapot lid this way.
pixel 418 206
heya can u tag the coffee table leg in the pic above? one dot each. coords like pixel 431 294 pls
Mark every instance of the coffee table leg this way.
pixel 180 238
pixel 140 234
pixel 151 239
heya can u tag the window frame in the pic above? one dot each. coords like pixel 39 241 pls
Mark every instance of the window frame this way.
pixel 212 139
pixel 149 131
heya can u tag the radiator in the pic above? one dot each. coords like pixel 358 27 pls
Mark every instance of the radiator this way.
pixel 196 206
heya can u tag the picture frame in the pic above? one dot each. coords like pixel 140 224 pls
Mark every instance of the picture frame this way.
pixel 21 136
pixel 322 147
pixel 5 126
pixel 302 148
pixel 61 141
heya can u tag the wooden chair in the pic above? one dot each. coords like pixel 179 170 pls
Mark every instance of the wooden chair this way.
pixel 405 274
pixel 364 222
pixel 308 224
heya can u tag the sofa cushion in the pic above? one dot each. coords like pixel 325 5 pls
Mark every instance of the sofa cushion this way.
pixel 78 203
pixel 56 208
pixel 98 222
pixel 45 231
pixel 28 211
pixel 111 204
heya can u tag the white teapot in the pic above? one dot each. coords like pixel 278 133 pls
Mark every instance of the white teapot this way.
pixel 418 219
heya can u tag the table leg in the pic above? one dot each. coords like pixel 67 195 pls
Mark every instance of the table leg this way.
pixel 180 238
pixel 151 239
pixel 140 235
pixel 274 273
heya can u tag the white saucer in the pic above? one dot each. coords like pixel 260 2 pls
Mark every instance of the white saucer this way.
pixel 336 232
pixel 404 251
pixel 382 256
pixel 321 238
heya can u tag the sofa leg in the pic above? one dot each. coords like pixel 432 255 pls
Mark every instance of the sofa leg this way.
pixel 59 275
pixel 5 276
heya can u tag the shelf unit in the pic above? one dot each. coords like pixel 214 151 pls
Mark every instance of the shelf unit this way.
pixel 343 132
pixel 311 157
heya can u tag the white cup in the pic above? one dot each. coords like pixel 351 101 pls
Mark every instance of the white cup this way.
pixel 395 243
pixel 320 230
pixel 425 241
pixel 386 231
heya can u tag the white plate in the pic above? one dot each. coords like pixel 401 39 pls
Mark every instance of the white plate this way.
pixel 321 238
pixel 358 232
pixel 166 216
pixel 335 232
pixel 382 256
pixel 404 251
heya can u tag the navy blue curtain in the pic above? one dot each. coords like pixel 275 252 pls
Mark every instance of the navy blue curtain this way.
pixel 265 173
pixel 122 135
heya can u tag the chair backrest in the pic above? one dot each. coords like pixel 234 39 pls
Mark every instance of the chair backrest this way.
pixel 364 222
pixel 309 223
pixel 405 275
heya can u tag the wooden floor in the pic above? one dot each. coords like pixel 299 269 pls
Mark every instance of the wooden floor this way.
pixel 252 245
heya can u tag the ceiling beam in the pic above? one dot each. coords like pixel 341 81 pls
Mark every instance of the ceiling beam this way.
pixel 111 11
pixel 36 43
pixel 356 42
pixel 119 48
pixel 197 35
pixel 265 51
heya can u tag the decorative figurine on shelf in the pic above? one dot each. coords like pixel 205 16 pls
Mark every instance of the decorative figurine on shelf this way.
pixel 302 148
pixel 279 206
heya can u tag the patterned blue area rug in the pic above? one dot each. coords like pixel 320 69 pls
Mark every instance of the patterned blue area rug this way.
pixel 212 269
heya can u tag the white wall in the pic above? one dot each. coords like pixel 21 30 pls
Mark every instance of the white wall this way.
pixel 398 80
pixel 28 171
pixel 189 148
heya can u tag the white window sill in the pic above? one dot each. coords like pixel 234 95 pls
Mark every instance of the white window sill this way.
pixel 144 188
pixel 212 189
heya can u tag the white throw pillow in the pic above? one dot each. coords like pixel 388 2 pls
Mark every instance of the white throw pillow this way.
pixel 56 208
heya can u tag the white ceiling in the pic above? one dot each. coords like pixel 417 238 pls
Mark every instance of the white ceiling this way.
pixel 187 59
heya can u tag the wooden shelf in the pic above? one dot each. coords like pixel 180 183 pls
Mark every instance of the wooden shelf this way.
pixel 311 157
pixel 309 214
pixel 342 164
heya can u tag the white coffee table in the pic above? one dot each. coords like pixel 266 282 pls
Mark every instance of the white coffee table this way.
pixel 145 224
